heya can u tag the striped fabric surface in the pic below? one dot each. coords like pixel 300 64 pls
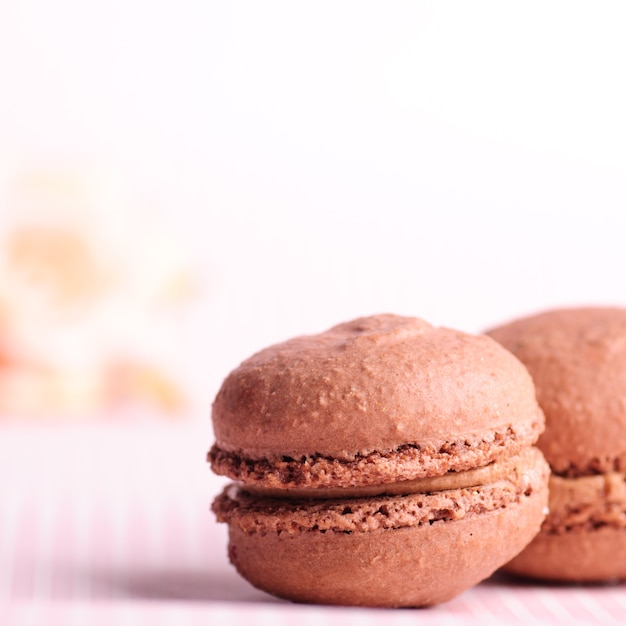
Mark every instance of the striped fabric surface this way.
pixel 110 524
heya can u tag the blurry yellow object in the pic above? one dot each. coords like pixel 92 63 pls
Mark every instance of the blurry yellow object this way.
pixel 90 286
pixel 141 382
pixel 56 263
pixel 35 391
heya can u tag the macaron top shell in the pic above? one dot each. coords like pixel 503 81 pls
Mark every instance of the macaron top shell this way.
pixel 372 384
pixel 577 358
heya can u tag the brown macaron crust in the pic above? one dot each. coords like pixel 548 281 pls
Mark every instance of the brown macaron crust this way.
pixel 577 359
pixel 384 462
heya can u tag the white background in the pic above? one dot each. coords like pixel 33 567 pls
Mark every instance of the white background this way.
pixel 463 162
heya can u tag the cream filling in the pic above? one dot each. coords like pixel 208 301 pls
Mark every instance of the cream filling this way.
pixel 489 474
pixel 569 493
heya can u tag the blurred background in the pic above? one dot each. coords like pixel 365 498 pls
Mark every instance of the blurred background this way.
pixel 183 183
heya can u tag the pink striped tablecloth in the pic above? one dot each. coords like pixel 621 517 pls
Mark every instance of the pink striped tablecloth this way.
pixel 110 524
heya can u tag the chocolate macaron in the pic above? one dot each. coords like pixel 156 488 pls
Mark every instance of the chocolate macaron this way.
pixel 577 358
pixel 384 462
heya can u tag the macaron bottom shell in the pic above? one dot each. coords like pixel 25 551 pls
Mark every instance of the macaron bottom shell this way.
pixel 593 556
pixel 405 567
pixel 583 538
pixel 388 551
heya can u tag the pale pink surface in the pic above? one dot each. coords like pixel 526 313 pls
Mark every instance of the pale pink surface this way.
pixel 110 523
